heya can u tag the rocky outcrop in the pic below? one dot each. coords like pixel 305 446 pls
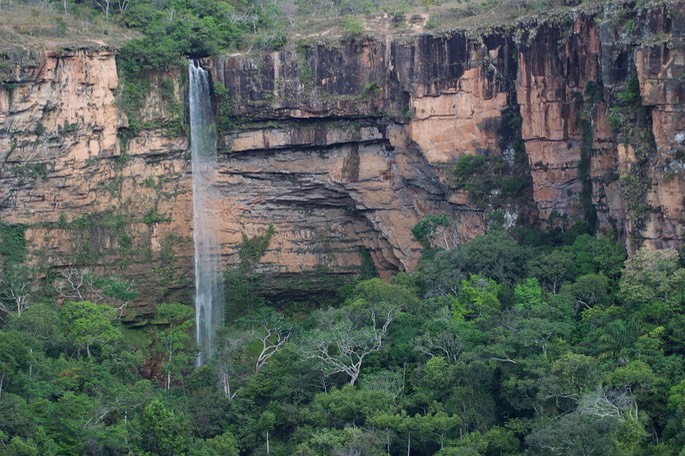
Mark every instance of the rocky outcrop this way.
pixel 343 146
pixel 660 65
pixel 553 69
pixel 423 100
pixel 89 199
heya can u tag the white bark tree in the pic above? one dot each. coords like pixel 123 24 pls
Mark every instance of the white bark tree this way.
pixel 104 5
pixel 348 338
pixel 80 284
pixel 273 340
pixel 17 284
pixel 229 347
pixel 605 402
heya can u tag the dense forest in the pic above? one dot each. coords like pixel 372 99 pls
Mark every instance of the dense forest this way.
pixel 509 343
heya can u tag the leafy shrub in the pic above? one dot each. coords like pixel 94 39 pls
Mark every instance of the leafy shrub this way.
pixel 485 179
pixel 352 25
pixel 630 95
pixel 428 226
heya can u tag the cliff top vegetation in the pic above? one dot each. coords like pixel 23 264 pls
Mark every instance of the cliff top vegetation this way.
pixel 158 33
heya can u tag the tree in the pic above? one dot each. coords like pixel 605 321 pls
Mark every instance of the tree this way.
pixel 230 345
pixel 349 405
pixel 576 434
pixel 443 337
pixel 477 298
pixel 653 284
pixel 571 376
pixel 435 231
pixel 174 339
pixel 87 325
pixel 552 268
pixel 14 356
pixel 17 284
pixel 348 335
pixel 221 445
pixel 598 254
pixel 428 430
pixel 274 332
pixel 80 284
pixel 588 291
pixel 104 5
pixel 528 294
pixel 65 420
pixel 161 430
pixel 496 256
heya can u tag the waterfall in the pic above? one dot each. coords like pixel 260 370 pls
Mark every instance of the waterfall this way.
pixel 209 292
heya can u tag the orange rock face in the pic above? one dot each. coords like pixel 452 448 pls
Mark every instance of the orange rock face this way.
pixel 344 149
pixel 82 193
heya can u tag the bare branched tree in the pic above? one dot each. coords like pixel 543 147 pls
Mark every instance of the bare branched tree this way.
pixel 72 283
pixel 272 341
pixel 343 348
pixel 18 283
pixel 80 284
pixel 445 343
pixel 229 347
pixel 104 6
pixel 606 402
pixel 123 5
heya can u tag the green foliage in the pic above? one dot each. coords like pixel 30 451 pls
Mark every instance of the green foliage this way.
pixel 630 95
pixel 575 434
pixel 615 120
pixel 352 25
pixel 133 91
pixel 486 179
pixel 367 270
pixel 477 298
pixel 90 234
pixel 163 431
pixel 252 249
pixel 89 326
pixel 528 294
pixel 114 287
pixel 493 347
pixel 242 283
pixel 176 31
pixel 224 112
pixel 589 210
pixel 428 227
pixel 152 216
pixel 432 23
pixel 12 244
pixel 594 92
pixel 652 284
pixel 173 343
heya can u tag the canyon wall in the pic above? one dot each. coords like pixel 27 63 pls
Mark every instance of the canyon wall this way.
pixel 344 145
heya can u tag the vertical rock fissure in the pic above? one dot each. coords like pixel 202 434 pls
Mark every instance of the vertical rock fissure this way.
pixel 209 292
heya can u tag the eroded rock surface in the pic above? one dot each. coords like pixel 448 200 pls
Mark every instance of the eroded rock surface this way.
pixel 344 146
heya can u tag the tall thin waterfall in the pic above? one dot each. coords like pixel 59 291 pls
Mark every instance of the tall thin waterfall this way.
pixel 209 292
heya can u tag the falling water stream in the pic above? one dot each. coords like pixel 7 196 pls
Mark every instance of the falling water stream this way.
pixel 209 292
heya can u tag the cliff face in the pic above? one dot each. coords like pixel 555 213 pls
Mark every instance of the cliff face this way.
pixel 343 147
pixel 89 199
pixel 586 123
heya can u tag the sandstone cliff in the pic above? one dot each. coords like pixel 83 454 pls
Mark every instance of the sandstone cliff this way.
pixel 343 146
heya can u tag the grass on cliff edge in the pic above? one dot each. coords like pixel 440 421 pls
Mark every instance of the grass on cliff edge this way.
pixel 27 25
pixel 34 25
